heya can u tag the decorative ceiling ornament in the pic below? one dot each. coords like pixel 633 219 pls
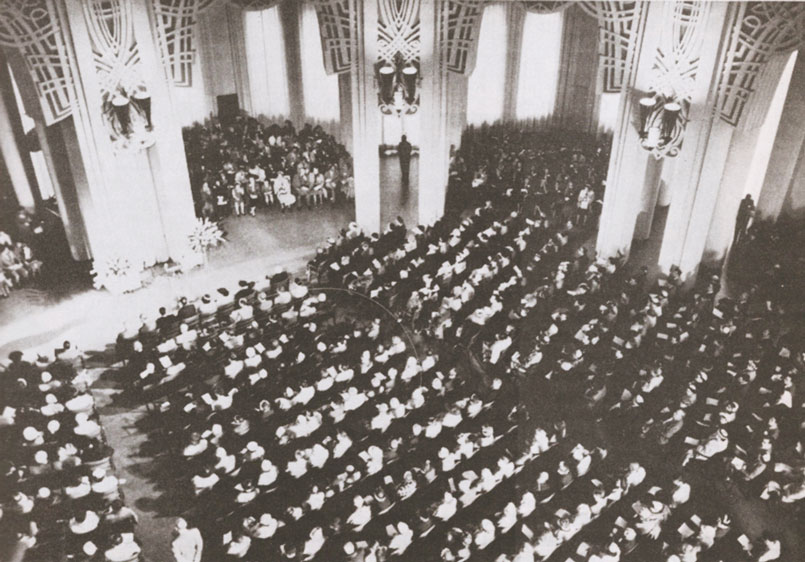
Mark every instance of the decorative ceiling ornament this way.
pixel 176 26
pixel 335 26
pixel 126 103
pixel 676 61
pixel 759 30
pixel 255 4
pixel 398 30
pixel 545 7
pixel 458 36
pixel 615 23
pixel 33 29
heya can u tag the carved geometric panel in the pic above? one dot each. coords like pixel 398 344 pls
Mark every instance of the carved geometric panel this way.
pixel 398 30
pixel 545 7
pixel 677 58
pixel 336 34
pixel 114 48
pixel 32 28
pixel 460 26
pixel 762 29
pixel 176 23
pixel 615 24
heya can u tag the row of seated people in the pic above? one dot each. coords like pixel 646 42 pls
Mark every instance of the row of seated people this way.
pixel 243 165
pixel 17 264
pixel 570 171
pixel 60 498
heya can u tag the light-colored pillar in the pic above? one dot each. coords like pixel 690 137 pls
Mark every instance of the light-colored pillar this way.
pixel 434 151
pixel 166 158
pixel 576 90
pixel 744 155
pixel 11 138
pixel 666 195
pixel 705 147
pixel 628 160
pixel 52 141
pixel 651 193
pixel 781 175
pixel 134 203
pixel 365 115
pixel 443 108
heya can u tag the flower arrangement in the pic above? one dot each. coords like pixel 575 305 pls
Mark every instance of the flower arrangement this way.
pixel 116 275
pixel 205 235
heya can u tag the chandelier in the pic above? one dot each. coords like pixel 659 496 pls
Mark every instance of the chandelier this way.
pixel 661 124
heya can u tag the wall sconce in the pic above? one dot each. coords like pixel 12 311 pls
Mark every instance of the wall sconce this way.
pixel 661 125
pixel 397 86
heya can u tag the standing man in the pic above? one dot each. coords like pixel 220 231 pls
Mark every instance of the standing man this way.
pixel 404 152
pixel 746 212
pixel 187 543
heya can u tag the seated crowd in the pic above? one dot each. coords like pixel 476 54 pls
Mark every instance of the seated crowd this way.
pixel 60 498
pixel 241 165
pixel 17 264
pixel 477 389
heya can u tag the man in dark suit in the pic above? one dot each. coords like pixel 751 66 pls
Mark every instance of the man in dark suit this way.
pixel 404 153
pixel 746 212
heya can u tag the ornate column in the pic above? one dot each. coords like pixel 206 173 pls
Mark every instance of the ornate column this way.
pixel 731 62
pixel 136 200
pixel 785 161
pixel 365 114
pixel 705 148
pixel 449 42
pixel 13 145
pixel 628 161
pixel 741 159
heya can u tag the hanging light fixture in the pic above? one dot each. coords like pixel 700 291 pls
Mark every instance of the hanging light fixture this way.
pixel 409 75
pixel 120 105
pixel 661 124
pixel 142 101
pixel 386 78
pixel 670 116
pixel 646 105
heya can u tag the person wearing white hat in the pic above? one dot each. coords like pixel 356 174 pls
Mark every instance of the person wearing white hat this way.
pixel 86 427
pixel 124 549
pixel 187 545
pixel 84 523
pixel 402 537
pixel 313 544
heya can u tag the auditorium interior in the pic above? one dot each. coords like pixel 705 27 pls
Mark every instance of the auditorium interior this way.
pixel 402 280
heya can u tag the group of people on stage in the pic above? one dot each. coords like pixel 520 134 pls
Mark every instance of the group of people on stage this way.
pixel 59 495
pixel 241 165
pixel 17 264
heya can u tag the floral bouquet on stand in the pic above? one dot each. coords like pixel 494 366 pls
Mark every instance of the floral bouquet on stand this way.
pixel 117 275
pixel 206 234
